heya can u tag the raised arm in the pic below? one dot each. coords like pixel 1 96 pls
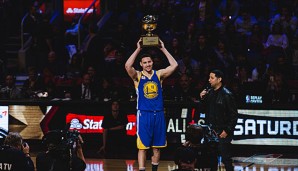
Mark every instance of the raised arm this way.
pixel 130 61
pixel 164 73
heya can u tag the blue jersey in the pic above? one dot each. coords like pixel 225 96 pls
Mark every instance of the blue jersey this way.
pixel 149 93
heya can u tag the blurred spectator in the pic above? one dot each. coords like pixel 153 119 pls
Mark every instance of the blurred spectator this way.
pixel 90 49
pixel 225 58
pixel 48 79
pixel 42 43
pixel 277 89
pixel 176 48
pixel 108 91
pixel 293 55
pixel 204 12
pixel 15 154
pixel 227 10
pixel 118 69
pixel 120 34
pixel 288 21
pixel 188 65
pixel 259 72
pixel 273 7
pixel 257 8
pixel 9 89
pixel 255 45
pixel 94 78
pixel 276 44
pixel 114 134
pixel 109 52
pixel 236 88
pixel 63 152
pixel 114 61
pixel 221 26
pixel 184 90
pixel 202 51
pixel 234 40
pixel 85 90
pixel 132 18
pixel 33 85
pixel 243 74
pixel 30 21
pixel 74 68
pixel 158 63
pixel 54 65
pixel 244 22
pixel 189 37
pixel 283 66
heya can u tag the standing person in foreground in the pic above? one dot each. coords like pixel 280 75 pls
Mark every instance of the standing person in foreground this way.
pixel 221 114
pixel 114 133
pixel 151 125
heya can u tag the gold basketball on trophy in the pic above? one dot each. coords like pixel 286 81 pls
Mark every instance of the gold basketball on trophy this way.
pixel 149 23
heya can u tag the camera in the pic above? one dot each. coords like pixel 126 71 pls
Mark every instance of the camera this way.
pixel 201 134
pixel 204 142
pixel 60 143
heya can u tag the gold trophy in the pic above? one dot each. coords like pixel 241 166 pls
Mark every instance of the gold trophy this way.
pixel 149 23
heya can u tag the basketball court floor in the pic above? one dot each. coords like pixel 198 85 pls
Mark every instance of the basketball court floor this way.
pixel 246 158
pixel 256 162
pixel 252 163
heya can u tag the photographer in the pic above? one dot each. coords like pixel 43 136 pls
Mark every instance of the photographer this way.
pixel 203 141
pixel 64 152
pixel 14 154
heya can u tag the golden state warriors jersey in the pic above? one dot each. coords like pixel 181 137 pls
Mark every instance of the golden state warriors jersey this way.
pixel 149 93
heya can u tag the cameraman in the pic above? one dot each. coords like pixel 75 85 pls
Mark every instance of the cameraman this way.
pixel 204 142
pixel 14 154
pixel 64 152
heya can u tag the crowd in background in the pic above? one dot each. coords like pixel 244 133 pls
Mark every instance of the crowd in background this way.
pixel 254 42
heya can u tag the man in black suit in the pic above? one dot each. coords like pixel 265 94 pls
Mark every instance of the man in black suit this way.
pixel 85 90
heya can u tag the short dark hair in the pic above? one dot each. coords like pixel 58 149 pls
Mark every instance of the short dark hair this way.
pixel 194 134
pixel 145 55
pixel 218 73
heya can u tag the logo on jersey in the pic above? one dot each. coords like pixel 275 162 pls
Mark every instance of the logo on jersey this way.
pixel 150 90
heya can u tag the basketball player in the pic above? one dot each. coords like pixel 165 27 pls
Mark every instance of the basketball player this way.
pixel 151 125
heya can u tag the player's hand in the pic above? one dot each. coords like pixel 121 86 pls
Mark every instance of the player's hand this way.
pixel 139 44
pixel 162 45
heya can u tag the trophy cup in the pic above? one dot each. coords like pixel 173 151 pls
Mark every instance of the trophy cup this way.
pixel 149 23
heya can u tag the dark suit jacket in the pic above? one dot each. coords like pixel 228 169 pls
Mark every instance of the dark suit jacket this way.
pixel 77 93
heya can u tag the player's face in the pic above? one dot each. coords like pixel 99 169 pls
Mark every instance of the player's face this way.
pixel 146 64
pixel 214 81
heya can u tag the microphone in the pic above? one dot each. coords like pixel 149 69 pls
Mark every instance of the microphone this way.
pixel 208 88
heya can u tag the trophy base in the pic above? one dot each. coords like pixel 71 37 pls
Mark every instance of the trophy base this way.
pixel 150 41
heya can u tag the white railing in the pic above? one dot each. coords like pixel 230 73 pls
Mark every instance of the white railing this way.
pixel 22 29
